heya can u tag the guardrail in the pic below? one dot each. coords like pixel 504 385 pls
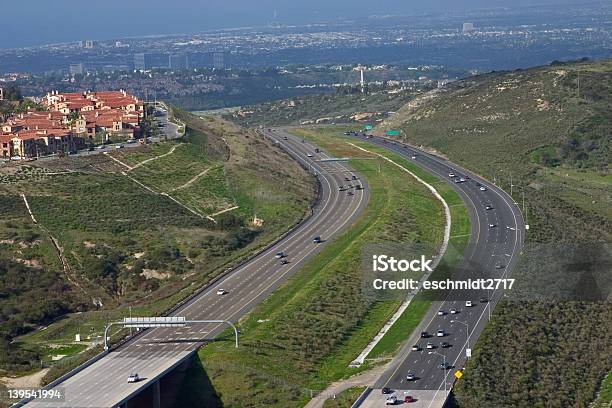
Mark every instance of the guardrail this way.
pixel 362 397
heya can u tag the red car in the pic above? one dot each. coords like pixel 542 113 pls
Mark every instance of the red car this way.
pixel 408 399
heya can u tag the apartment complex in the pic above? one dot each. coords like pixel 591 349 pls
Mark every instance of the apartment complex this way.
pixel 71 122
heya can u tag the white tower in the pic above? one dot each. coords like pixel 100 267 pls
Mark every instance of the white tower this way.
pixel 361 70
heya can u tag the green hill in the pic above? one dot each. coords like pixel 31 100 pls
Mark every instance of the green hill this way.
pixel 138 227
pixel 547 131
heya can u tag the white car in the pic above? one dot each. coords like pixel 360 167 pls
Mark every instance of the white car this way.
pixel 483 188
pixel 309 155
pixel 441 312
pixel 221 292
pixel 491 225
pixel 451 175
pixel 119 146
pixel 453 311
pixel 440 333
pixel 392 400
pixel 279 255
pixel 133 378
pixel 468 303
pixel 430 346
pixel 410 377
pixel 416 347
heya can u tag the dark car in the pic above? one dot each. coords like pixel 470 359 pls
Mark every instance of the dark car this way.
pixel 444 344
pixel 483 300
pixel 386 390
pixel 424 335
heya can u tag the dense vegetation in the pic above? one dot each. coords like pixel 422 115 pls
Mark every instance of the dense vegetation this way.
pixel 133 230
pixel 549 129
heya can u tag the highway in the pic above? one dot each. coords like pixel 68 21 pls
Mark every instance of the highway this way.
pixel 497 236
pixel 157 351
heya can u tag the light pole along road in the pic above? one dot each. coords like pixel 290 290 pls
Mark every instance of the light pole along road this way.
pixel 157 351
pixel 496 240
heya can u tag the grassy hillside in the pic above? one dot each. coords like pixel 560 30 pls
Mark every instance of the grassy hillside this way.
pixel 138 227
pixel 548 130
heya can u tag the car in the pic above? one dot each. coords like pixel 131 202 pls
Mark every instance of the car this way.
pixel 392 400
pixel 483 299
pixel 441 312
pixel 468 303
pixel 354 177
pixel 358 187
pixel 349 193
pixel 386 390
pixel 443 366
pixel 440 333
pixel 483 188
pixel 131 141
pixel 279 255
pixel 101 147
pixel 317 240
pixel 413 157
pixel 309 155
pixel 346 179
pixel 341 188
pixel 119 146
pixel 133 378
pixel 424 335
pixel 466 177
pixel 416 347
pixel 499 265
pixel 462 180
pixel 491 225
pixel 444 344
pixel 430 346
pixel 451 175
pixel 317 151
pixel 408 399
pixel 284 262
pixel 488 207
pixel 221 291
pixel 410 377
pixel 457 181
pixel 284 137
pixel 453 311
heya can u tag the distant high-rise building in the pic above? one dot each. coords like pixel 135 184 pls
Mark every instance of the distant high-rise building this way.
pixel 218 62
pixel 142 61
pixel 1 94
pixel 468 27
pixel 76 69
pixel 89 44
pixel 178 61
pixel 119 44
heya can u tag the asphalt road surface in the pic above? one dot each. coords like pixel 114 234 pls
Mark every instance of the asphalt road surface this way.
pixel 156 351
pixel 497 236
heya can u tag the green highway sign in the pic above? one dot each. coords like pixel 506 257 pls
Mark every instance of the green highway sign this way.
pixel 393 133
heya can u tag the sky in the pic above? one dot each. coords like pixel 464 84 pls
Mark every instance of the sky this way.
pixel 35 22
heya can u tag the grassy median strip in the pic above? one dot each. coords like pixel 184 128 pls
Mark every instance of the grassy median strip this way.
pixel 305 334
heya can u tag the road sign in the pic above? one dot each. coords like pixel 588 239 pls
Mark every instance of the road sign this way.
pixel 368 127
pixel 468 352
pixel 458 374
pixel 393 133
pixel 170 321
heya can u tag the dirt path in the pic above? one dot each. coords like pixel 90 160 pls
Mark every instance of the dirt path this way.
pixel 360 380
pixel 27 381
pixel 193 180
pixel 142 163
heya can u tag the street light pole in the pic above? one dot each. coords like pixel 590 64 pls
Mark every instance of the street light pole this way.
pixel 445 368
pixel 467 330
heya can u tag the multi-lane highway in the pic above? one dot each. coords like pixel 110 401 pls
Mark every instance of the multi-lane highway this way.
pixel 497 234
pixel 157 351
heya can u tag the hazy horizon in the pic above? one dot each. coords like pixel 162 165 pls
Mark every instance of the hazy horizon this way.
pixel 36 22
